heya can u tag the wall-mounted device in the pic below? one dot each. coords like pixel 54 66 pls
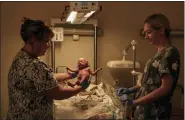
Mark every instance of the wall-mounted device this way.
pixel 58 34
pixel 79 12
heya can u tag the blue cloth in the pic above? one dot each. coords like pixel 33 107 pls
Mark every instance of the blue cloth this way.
pixel 85 84
pixel 74 74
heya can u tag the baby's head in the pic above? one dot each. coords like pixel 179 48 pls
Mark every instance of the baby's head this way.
pixel 82 63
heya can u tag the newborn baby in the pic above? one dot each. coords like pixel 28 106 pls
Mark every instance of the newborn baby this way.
pixel 83 72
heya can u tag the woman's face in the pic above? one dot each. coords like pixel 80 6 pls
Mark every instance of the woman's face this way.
pixel 152 35
pixel 40 47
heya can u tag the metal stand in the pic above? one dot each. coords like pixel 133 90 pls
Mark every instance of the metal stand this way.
pixel 134 67
pixel 53 56
pixel 133 45
pixel 95 51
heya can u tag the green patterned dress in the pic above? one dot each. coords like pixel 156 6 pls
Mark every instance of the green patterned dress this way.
pixel 164 62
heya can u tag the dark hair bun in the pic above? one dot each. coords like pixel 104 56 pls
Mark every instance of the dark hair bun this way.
pixel 35 28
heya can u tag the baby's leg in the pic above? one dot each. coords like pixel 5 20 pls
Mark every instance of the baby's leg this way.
pixel 78 82
pixel 71 84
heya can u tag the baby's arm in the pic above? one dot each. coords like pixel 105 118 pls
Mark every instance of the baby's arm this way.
pixel 93 73
pixel 72 70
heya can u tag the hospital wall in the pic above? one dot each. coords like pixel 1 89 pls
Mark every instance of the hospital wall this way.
pixel 120 21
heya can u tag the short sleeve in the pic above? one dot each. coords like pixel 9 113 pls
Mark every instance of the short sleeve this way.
pixel 170 63
pixel 44 78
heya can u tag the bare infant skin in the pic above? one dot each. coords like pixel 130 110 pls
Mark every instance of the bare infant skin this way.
pixel 83 71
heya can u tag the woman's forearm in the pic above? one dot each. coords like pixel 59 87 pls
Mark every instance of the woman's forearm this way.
pixel 165 88
pixel 154 95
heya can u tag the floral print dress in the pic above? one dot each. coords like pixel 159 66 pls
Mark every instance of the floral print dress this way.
pixel 166 61
pixel 27 77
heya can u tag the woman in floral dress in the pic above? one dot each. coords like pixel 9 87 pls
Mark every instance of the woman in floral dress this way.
pixel 32 85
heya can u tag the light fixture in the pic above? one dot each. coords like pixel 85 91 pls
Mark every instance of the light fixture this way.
pixel 79 12
pixel 72 16
pixel 89 14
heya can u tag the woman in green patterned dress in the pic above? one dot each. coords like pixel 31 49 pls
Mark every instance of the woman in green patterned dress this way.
pixel 161 72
